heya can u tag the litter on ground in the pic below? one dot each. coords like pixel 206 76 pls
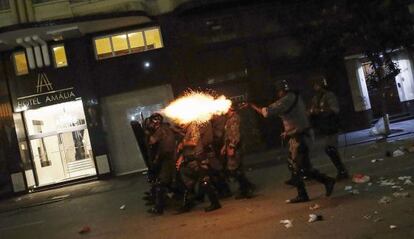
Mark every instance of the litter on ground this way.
pixel 397 153
pixel 314 218
pixel 287 223
pixel 385 200
pixel 360 178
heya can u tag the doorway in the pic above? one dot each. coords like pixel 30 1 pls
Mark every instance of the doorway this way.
pixel 59 143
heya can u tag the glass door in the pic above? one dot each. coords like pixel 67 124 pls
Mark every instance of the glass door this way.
pixel 60 143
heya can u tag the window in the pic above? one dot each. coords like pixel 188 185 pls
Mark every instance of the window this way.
pixel 153 38
pixel 59 56
pixel 127 43
pixel 103 47
pixel 120 44
pixel 136 41
pixel 20 63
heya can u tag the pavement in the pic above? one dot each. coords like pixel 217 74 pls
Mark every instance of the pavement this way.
pixel 356 213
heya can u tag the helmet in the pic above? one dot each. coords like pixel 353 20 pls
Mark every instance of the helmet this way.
pixel 282 85
pixel 154 121
pixel 322 82
pixel 156 118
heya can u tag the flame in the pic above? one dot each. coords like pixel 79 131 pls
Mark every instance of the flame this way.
pixel 196 107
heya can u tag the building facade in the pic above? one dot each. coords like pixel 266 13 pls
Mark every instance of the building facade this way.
pixel 74 74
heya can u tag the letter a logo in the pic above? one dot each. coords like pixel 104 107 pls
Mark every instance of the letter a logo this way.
pixel 43 81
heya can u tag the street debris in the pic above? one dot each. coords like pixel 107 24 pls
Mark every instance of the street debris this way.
pixel 122 207
pixel 397 187
pixel 314 218
pixel 393 227
pixel 386 182
pixel 287 223
pixel 401 194
pixel 369 184
pixel 360 178
pixel 144 172
pixel 411 149
pixel 348 188
pixel 397 153
pixel 367 217
pixel 355 192
pixel 378 219
pixel 314 207
pixel 377 160
pixel 408 182
pixel 84 230
pixel 403 178
pixel 385 200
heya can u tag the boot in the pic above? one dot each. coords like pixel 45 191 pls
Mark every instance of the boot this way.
pixel 333 154
pixel 302 194
pixel 158 209
pixel 215 204
pixel 328 182
pixel 187 203
pixel 246 188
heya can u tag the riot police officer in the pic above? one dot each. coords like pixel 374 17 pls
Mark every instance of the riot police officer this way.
pixel 195 169
pixel 164 160
pixel 324 112
pixel 233 156
pixel 291 109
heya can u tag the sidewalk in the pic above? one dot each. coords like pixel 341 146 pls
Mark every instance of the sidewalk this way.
pixel 400 130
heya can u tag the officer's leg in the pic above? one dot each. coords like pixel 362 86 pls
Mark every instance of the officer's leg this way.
pixel 206 186
pixel 297 172
pixel 160 191
pixel 291 180
pixel 309 171
pixel 331 150
pixel 245 186
pixel 188 176
pixel 217 176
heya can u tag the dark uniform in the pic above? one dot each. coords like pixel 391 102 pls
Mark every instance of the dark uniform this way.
pixel 216 167
pixel 163 161
pixel 195 168
pixel 232 152
pixel 324 112
pixel 291 109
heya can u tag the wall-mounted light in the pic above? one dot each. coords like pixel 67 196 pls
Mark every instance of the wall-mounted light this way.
pixel 147 64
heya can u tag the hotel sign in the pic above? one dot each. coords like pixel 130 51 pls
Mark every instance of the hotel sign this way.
pixel 45 94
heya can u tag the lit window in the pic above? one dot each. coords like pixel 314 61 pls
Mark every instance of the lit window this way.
pixel 59 55
pixel 153 38
pixel 127 43
pixel 20 63
pixel 136 41
pixel 103 47
pixel 120 44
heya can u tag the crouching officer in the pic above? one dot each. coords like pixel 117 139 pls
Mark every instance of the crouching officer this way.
pixel 324 112
pixel 231 152
pixel 163 136
pixel 291 109
pixel 194 169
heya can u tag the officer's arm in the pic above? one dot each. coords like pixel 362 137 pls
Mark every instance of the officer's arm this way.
pixel 280 106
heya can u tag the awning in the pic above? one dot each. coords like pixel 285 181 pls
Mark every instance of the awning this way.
pixel 71 27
